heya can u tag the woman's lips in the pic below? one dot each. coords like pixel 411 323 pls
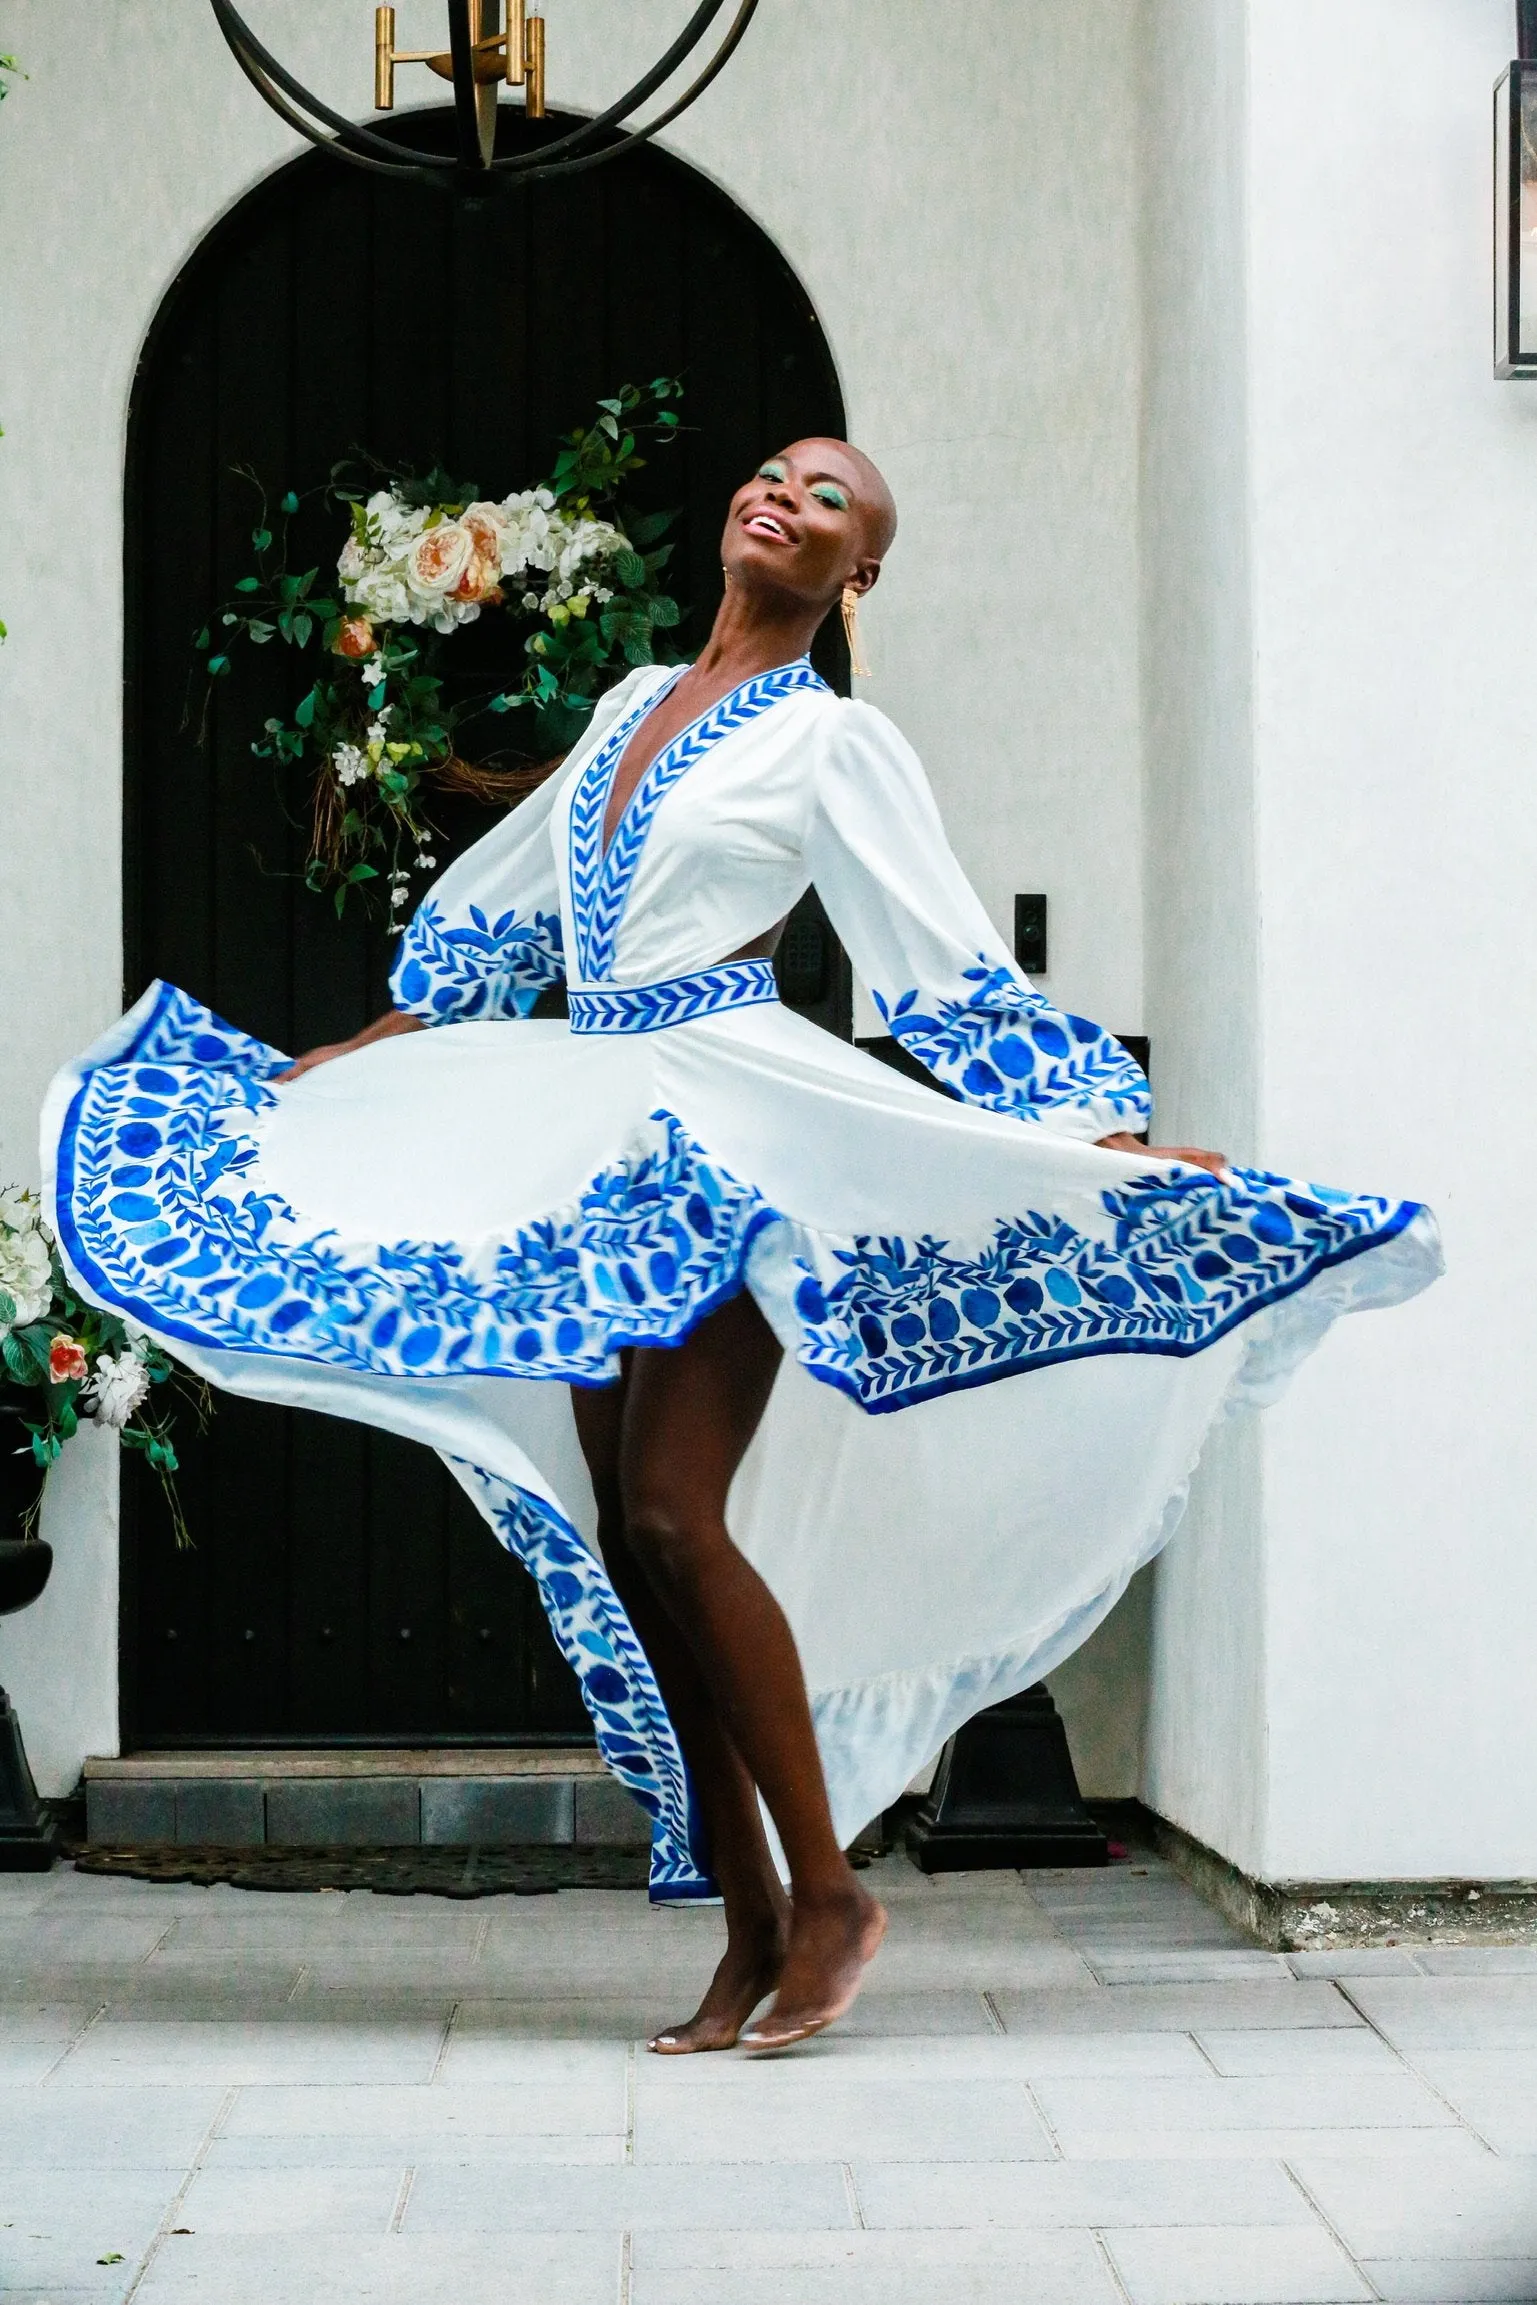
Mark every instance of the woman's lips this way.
pixel 765 524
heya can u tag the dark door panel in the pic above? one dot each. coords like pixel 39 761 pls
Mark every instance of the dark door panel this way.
pixel 340 1586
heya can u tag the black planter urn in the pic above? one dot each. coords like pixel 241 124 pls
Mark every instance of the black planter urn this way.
pixel 29 1837
pixel 1005 1794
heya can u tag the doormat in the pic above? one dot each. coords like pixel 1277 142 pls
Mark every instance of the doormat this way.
pixel 529 1871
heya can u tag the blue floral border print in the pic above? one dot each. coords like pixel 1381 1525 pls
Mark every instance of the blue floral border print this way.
pixel 1006 1047
pixel 1189 1258
pixel 635 1734
pixel 482 968
pixel 155 1215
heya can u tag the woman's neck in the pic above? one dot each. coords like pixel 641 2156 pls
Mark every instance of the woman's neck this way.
pixel 753 632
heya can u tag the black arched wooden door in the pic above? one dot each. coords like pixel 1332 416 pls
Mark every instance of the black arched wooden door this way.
pixel 339 1587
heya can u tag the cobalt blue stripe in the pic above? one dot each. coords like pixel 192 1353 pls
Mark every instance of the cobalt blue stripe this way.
pixel 653 1007
pixel 601 879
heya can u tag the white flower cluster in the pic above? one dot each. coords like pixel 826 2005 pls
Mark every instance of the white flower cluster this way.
pixel 26 1269
pixel 407 564
pixel 119 1385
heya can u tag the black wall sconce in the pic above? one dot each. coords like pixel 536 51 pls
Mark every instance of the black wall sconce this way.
pixel 1515 204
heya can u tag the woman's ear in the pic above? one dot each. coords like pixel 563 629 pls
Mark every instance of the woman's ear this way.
pixel 866 574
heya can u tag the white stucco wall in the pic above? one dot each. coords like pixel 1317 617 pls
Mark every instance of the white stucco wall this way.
pixel 965 222
pixel 1344 1680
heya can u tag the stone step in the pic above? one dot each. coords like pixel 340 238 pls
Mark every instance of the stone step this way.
pixel 351 1798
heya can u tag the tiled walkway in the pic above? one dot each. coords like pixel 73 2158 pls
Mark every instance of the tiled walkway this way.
pixel 1074 2089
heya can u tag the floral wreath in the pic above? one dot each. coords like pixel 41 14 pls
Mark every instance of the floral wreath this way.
pixel 567 560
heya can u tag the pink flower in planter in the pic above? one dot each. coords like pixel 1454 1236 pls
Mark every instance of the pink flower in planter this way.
pixel 67 1362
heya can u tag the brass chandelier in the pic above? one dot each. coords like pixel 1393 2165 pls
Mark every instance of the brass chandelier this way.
pixel 483 55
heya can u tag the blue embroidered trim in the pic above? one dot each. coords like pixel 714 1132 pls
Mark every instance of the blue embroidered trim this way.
pixel 594 1635
pixel 487 968
pixel 652 1007
pixel 1006 1047
pixel 159 1216
pixel 154 1216
pixel 1189 1258
pixel 600 881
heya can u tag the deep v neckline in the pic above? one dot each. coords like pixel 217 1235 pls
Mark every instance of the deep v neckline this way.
pixel 600 877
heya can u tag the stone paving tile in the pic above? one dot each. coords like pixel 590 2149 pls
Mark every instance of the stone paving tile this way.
pixel 120 2050
pixel 104 1941
pixel 988 1964
pixel 544 2105
pixel 1234 2265
pixel 34 2037
pixel 317 2199
pixel 1483 2012
pixel 1357 2049
pixel 842 2060
pixel 1454 2280
pixel 878 2015
pixel 985 2195
pixel 49 2127
pixel 788 2197
pixel 897 2121
pixel 403 2269
pixel 1356 1961
pixel 1218 1967
pixel 869 2269
pixel 1390 2099
pixel 1454 2209
pixel 1478 1960
pixel 1249 2003
pixel 1495 2091
pixel 55 2229
pixel 411 2149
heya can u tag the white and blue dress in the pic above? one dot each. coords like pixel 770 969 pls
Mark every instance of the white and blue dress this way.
pixel 1003 1346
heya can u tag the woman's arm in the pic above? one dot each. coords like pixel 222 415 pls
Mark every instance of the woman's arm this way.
pixel 384 1027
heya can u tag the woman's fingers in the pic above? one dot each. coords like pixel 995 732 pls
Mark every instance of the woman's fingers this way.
pixel 307 1063
pixel 1193 1156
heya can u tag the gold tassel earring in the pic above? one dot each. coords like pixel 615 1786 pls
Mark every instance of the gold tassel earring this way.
pixel 857 663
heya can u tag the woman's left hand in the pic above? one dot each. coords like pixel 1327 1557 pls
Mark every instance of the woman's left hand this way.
pixel 1192 1155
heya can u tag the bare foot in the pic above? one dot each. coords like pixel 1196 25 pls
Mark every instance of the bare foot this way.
pixel 746 1976
pixel 831 1946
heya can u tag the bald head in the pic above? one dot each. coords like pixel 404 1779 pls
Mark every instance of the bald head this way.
pixel 876 504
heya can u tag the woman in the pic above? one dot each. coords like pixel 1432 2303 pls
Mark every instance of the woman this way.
pixel 740 1242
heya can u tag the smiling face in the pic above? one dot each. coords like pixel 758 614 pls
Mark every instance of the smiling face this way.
pixel 812 519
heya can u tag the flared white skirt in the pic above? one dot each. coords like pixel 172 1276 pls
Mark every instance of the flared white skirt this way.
pixel 1003 1348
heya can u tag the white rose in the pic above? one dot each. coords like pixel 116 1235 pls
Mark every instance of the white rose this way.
pixel 26 1270
pixel 438 558
pixel 118 1386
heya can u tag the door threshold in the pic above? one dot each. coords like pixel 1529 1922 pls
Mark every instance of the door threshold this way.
pixel 352 1761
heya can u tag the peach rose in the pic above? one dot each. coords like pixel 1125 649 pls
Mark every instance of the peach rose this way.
pixel 486 529
pixel 439 558
pixel 354 639
pixel 67 1362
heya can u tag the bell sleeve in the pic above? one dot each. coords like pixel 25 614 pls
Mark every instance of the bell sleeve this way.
pixel 937 970
pixel 485 940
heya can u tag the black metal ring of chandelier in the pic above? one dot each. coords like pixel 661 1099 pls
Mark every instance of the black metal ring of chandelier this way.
pixel 580 148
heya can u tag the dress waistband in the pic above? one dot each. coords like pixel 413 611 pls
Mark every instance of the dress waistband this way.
pixel 652 1007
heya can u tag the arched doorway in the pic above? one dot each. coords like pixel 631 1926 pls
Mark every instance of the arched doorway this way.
pixel 340 1587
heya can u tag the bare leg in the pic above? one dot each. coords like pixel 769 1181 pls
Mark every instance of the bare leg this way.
pixel 757 1909
pixel 688 1416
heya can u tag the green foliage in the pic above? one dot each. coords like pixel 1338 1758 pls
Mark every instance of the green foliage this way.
pixel 41 1386
pixel 376 743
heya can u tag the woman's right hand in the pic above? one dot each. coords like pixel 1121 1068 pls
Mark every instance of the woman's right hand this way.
pixel 311 1057
pixel 384 1027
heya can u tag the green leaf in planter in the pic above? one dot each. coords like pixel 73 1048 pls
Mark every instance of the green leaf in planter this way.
pixel 7 1308
pixel 290 502
pixel 261 538
pixel 259 632
pixel 249 584
pixel 203 639
pixel 304 710
pixel 304 625
pixel 24 1365
pixel 630 568
pixel 217 665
